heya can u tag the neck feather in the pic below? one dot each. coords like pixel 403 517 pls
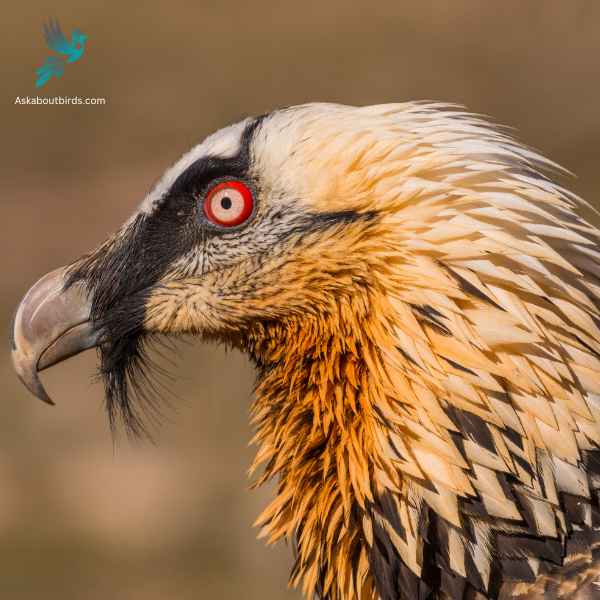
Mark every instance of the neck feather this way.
pixel 324 401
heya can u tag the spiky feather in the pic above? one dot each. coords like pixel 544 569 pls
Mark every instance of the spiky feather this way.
pixel 433 417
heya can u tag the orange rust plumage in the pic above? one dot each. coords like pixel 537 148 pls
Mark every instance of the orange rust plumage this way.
pixel 428 354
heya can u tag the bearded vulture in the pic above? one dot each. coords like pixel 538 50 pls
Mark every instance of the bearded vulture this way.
pixel 421 301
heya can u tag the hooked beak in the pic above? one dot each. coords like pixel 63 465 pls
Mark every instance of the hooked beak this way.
pixel 51 324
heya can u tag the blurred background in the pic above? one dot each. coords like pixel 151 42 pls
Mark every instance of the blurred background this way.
pixel 83 516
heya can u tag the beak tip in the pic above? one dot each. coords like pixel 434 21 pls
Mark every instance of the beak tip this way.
pixel 28 375
pixel 51 323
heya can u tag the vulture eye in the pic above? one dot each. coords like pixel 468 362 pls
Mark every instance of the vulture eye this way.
pixel 228 204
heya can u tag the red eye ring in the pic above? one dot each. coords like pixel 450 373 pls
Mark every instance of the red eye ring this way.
pixel 228 203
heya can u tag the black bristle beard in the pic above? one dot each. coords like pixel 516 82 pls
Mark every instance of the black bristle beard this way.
pixel 118 278
pixel 129 377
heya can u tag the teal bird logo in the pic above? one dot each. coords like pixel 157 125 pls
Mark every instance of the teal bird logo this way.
pixel 69 52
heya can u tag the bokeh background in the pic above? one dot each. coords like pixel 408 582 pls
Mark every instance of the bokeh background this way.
pixel 83 516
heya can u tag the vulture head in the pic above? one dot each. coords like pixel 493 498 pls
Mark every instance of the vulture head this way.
pixel 422 305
